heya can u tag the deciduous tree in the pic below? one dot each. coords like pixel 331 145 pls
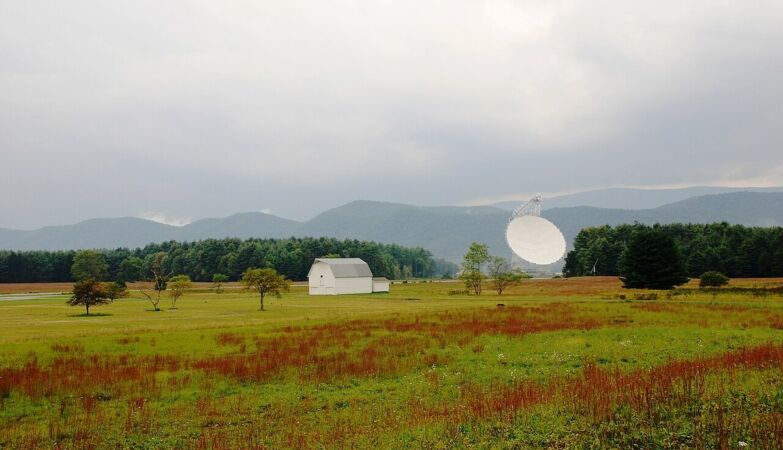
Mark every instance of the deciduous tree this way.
pixel 116 290
pixel 472 266
pixel 159 279
pixel 265 282
pixel 88 292
pixel 218 280
pixel 130 269
pixel 177 286
pixel 502 275
pixel 89 264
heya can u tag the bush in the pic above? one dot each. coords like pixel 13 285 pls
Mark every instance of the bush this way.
pixel 713 279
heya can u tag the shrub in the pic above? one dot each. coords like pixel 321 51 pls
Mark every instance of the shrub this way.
pixel 713 279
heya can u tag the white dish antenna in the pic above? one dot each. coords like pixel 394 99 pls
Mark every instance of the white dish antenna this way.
pixel 533 238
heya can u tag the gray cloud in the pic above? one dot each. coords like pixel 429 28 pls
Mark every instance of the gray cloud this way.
pixel 191 109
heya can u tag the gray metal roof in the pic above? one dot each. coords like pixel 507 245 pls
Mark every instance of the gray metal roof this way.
pixel 347 267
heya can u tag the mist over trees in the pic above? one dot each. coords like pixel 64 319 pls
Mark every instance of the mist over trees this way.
pixel 734 250
pixel 201 260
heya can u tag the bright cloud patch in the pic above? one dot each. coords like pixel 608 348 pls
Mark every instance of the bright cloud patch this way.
pixel 164 218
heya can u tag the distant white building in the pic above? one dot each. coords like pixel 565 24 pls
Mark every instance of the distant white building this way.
pixel 335 276
pixel 380 284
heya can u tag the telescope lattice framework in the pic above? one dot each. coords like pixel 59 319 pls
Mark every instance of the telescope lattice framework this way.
pixel 531 207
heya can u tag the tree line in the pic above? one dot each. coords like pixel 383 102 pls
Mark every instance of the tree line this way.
pixel 733 250
pixel 202 260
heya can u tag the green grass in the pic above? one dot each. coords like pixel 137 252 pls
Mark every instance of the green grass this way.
pixel 392 371
pixel 50 320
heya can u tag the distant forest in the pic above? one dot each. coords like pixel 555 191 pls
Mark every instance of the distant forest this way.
pixel 734 250
pixel 202 259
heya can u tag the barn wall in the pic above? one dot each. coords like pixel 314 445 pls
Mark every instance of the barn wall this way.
pixel 314 280
pixel 380 286
pixel 353 285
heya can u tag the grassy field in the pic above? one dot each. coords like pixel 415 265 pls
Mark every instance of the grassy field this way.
pixel 569 363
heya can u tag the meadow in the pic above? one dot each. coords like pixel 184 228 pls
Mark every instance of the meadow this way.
pixel 561 363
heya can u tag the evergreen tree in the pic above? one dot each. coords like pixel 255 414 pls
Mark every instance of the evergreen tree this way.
pixel 652 261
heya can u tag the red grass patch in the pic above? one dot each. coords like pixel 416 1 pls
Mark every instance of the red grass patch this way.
pixel 366 348
pixel 84 375
pixel 229 339
pixel 598 392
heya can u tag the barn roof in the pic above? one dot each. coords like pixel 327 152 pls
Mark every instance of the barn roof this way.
pixel 347 267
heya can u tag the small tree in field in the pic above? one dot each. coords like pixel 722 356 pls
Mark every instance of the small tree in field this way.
pixel 88 292
pixel 177 286
pixel 472 264
pixel 713 279
pixel 265 282
pixel 218 280
pixel 502 275
pixel 159 278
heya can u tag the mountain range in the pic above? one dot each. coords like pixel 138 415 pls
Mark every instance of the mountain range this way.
pixel 446 231
pixel 630 198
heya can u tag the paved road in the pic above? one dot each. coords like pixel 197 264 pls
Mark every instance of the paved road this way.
pixel 4 297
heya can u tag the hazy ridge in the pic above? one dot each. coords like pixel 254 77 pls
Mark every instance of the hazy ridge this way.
pixel 636 199
pixel 446 231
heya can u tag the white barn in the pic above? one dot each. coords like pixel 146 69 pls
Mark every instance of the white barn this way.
pixel 380 284
pixel 335 276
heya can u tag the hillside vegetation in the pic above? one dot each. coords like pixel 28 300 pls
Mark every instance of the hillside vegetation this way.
pixel 444 231
pixel 201 260
pixel 734 250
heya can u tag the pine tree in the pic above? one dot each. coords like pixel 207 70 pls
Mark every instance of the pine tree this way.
pixel 652 261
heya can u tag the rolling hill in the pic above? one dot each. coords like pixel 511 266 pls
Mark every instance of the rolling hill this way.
pixel 446 231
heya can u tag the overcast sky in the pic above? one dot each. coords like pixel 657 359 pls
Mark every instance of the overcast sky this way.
pixel 187 109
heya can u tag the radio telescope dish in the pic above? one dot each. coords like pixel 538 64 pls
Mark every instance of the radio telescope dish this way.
pixel 533 238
